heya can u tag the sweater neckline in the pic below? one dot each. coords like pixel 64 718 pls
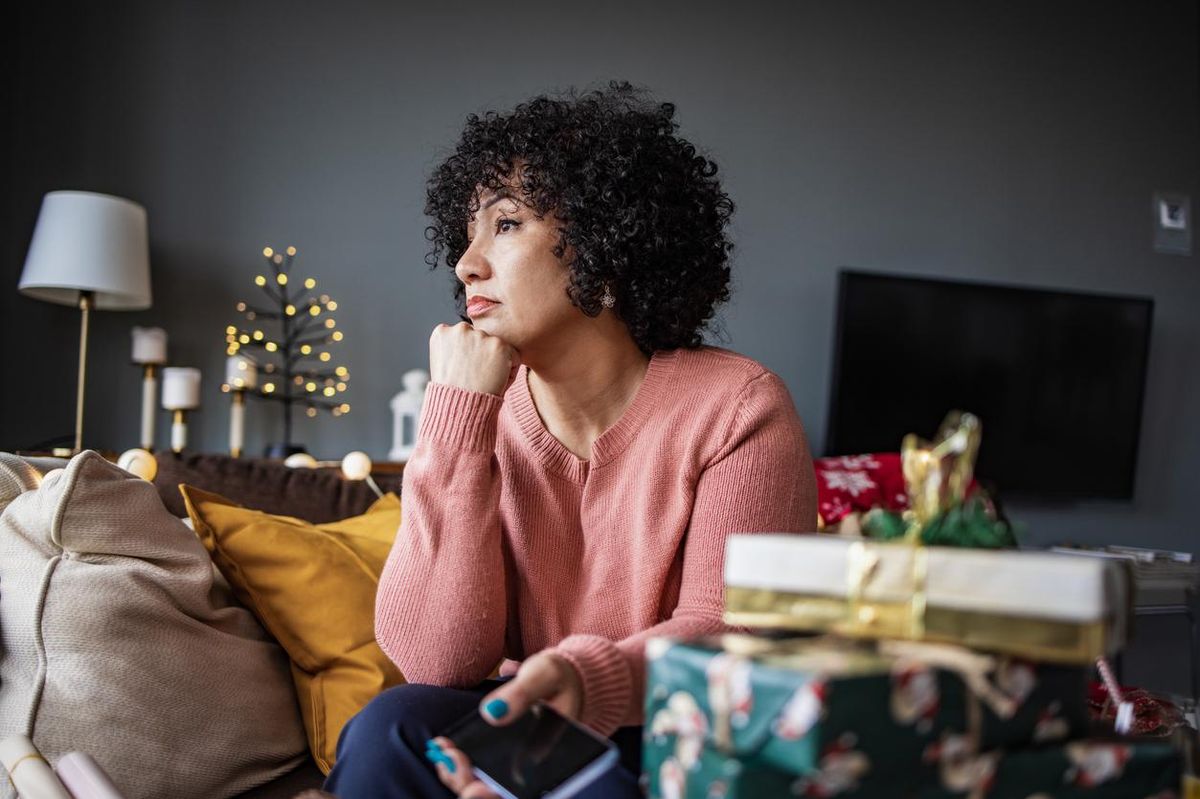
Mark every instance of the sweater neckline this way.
pixel 612 441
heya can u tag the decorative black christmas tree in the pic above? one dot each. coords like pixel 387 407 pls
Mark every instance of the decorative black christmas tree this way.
pixel 291 363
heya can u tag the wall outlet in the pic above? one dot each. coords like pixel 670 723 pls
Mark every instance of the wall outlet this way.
pixel 1173 223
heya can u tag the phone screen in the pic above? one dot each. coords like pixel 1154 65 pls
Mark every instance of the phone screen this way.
pixel 534 755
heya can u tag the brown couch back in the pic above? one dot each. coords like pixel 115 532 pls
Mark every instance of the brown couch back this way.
pixel 315 495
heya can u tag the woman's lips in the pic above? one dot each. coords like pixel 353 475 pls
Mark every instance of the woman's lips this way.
pixel 478 306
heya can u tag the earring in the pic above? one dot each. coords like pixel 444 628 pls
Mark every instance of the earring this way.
pixel 607 299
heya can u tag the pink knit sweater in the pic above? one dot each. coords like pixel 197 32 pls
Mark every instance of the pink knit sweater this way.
pixel 511 544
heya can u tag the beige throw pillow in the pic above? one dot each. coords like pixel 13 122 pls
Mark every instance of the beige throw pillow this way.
pixel 116 640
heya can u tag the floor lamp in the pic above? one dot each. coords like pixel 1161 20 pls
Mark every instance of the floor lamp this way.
pixel 91 251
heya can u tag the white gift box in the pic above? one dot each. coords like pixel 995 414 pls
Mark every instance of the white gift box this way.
pixel 1045 606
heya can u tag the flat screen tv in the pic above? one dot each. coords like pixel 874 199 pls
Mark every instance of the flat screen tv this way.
pixel 1055 377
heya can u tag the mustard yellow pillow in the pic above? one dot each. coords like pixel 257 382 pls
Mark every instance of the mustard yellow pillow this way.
pixel 313 587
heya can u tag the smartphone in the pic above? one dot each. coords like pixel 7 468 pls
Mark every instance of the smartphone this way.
pixel 541 755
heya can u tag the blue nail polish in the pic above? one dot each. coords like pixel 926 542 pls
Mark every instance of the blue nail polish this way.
pixel 432 745
pixel 440 757
pixel 497 708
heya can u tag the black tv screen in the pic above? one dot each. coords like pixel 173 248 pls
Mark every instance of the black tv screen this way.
pixel 1056 378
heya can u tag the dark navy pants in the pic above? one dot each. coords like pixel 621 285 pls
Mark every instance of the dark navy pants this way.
pixel 381 751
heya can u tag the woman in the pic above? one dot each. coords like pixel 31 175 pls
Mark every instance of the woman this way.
pixel 582 457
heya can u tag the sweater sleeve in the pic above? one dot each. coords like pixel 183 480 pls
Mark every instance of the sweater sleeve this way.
pixel 760 480
pixel 440 609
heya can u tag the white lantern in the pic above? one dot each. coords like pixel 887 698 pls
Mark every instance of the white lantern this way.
pixel 406 414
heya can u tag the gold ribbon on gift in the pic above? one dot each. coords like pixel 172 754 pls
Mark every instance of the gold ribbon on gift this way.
pixel 936 476
pixel 861 617
pixel 1046 640
pixel 973 668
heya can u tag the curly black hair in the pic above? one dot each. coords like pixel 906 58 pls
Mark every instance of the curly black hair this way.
pixel 643 212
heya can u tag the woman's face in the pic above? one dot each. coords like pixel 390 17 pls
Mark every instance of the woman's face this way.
pixel 516 287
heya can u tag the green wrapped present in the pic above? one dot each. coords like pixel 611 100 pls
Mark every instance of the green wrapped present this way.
pixel 829 712
pixel 1082 769
pixel 1086 769
pixel 715 776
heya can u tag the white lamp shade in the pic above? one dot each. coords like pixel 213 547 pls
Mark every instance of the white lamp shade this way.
pixel 89 242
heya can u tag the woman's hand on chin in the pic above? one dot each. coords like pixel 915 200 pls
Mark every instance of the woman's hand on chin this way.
pixel 545 677
pixel 461 356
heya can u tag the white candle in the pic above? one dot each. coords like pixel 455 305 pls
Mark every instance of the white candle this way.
pixel 237 425
pixel 241 372
pixel 149 345
pixel 181 388
pixel 149 394
pixel 179 433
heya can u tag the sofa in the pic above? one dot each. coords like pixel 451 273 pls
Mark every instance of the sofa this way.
pixel 244 739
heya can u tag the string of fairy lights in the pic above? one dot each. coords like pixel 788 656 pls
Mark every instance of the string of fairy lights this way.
pixel 293 363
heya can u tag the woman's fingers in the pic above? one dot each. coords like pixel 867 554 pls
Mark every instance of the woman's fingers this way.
pixel 542 677
pixel 453 767
pixel 460 355
pixel 457 775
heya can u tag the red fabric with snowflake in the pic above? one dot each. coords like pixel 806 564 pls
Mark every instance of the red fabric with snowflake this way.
pixel 858 483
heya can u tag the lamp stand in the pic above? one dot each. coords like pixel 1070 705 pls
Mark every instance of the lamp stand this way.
pixel 86 299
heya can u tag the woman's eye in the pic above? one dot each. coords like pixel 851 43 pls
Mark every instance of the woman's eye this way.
pixel 500 224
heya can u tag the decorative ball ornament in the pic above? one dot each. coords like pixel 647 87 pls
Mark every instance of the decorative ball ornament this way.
pixel 301 460
pixel 356 466
pixel 140 463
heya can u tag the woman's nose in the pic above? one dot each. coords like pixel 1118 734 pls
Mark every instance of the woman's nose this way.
pixel 473 265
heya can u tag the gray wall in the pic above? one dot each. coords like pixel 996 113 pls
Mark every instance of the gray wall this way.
pixel 1014 142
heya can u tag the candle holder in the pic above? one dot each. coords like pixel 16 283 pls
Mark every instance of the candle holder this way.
pixel 150 352
pixel 241 375
pixel 181 393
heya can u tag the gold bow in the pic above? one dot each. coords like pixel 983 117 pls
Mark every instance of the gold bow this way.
pixel 936 476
